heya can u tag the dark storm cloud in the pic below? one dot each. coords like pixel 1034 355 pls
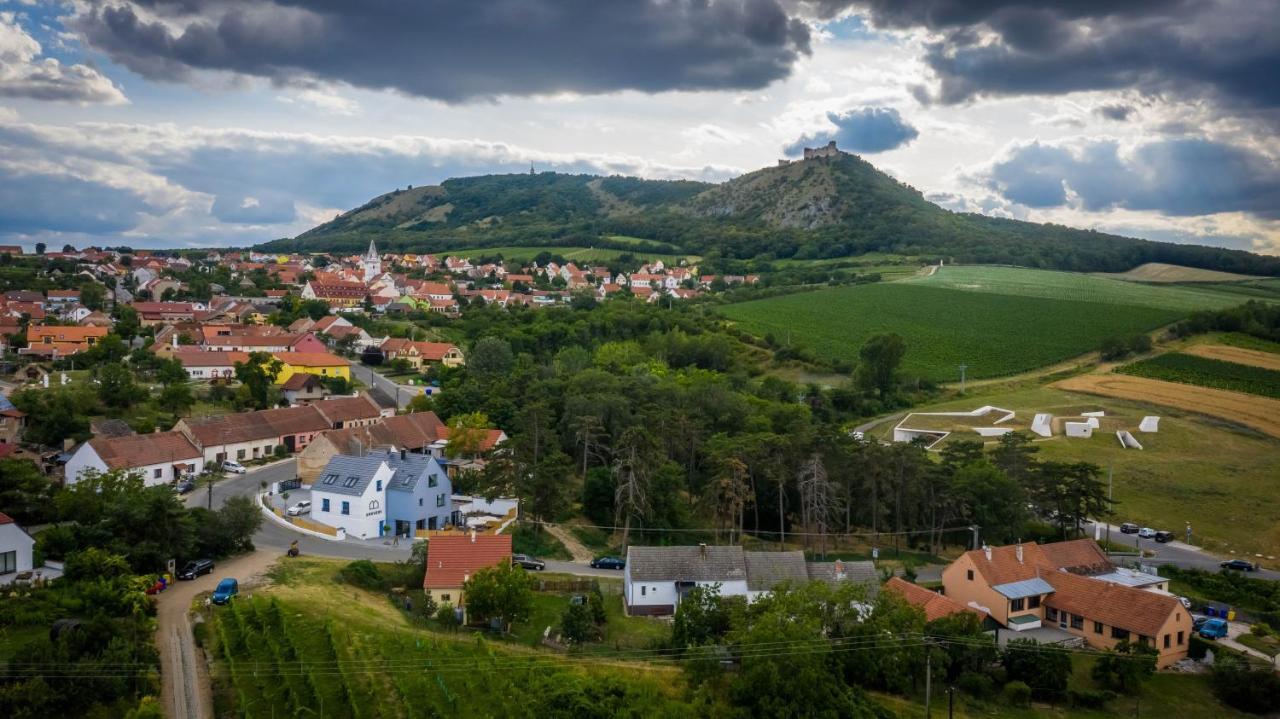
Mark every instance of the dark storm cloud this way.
pixel 1183 177
pixel 32 202
pixel 1115 111
pixel 870 129
pixel 457 50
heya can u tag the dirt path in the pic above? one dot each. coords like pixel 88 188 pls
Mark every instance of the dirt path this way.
pixel 1239 355
pixel 184 678
pixel 577 549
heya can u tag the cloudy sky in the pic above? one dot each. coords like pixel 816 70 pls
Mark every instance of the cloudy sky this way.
pixel 222 122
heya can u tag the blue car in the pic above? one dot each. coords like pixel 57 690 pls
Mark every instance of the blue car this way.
pixel 1214 629
pixel 608 563
pixel 227 589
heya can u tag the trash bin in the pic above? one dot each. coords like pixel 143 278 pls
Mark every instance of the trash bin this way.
pixel 1231 615
pixel 1210 612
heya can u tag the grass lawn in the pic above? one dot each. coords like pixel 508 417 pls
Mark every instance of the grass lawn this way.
pixel 993 334
pixel 1269 645
pixel 12 639
pixel 1194 469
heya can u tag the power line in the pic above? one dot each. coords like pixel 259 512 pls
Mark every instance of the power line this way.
pixel 828 535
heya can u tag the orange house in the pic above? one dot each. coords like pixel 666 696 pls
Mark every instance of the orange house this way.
pixel 57 341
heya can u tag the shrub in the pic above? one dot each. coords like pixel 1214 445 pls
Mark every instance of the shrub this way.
pixel 1246 687
pixel 364 574
pixel 577 625
pixel 446 616
pixel 1198 647
pixel 976 685
pixel 1017 693
pixel 1089 698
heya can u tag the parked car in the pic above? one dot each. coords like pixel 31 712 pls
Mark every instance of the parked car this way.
pixel 524 560
pixel 303 507
pixel 1214 628
pixel 1240 565
pixel 1147 533
pixel 608 563
pixel 184 486
pixel 1197 623
pixel 1129 528
pixel 233 467
pixel 1164 537
pixel 1186 603
pixel 227 589
pixel 195 568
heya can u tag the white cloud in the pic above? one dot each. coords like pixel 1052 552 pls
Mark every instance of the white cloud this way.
pixel 24 74
pixel 325 101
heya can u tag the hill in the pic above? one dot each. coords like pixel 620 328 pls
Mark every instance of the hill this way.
pixel 838 206
pixel 1160 272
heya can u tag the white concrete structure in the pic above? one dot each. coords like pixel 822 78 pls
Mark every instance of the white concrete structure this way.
pixel 1043 424
pixel 1127 441
pixel 1082 430
pixel 1099 413
pixel 160 457
pixel 904 432
pixel 1149 424
pixel 992 431
pixel 15 549
pixel 1093 422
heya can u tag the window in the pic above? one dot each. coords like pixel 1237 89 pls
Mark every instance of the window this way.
pixel 1118 633
pixel 431 480
pixel 350 481
pixel 379 487
pixel 1097 627
pixel 419 501
pixel 1033 602
pixel 444 597
pixel 240 454
pixel 1077 621
pixel 1168 640
pixel 1052 614
pixel 8 562
pixel 1180 638
pixel 346 508
pixel 1017 605
pixel 439 500
pixel 330 478
pixel 970 575
pixel 157 474
pixel 324 505
pixel 643 590
pixel 422 524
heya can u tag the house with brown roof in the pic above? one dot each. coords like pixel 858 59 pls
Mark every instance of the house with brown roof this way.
pixel 59 341
pixel 159 457
pixel 934 605
pixel 336 293
pixel 1074 587
pixel 302 388
pixel 419 354
pixel 415 432
pixel 453 559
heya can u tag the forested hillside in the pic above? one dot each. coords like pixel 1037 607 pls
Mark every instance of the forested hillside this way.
pixel 816 209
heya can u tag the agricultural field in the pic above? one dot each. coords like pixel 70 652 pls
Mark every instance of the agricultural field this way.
pixel 1206 372
pixel 1075 286
pixel 1248 342
pixel 1195 468
pixel 994 334
pixel 576 254
pixel 1161 272
pixel 1239 355
pixel 1258 413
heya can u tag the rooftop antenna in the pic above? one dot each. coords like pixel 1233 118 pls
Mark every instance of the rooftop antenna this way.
pixel 531 171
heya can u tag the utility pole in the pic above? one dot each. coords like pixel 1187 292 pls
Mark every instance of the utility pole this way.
pixel 951 702
pixel 928 676
pixel 1110 483
pixel 963 367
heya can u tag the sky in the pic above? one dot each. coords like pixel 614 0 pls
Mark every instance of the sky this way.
pixel 197 123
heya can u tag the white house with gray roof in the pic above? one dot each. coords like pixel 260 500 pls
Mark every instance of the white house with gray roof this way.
pixel 381 493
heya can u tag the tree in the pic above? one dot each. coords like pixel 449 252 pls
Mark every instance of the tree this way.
pixel 702 618
pixel 636 453
pixel 503 592
pixel 577 625
pixel 40 247
pixel 1015 456
pixel 1044 667
pixel 241 518
pixel 56 414
pixel 26 494
pixel 490 357
pixel 467 433
pixel 992 500
pixel 257 378
pixel 171 372
pixel 127 323
pixel 1073 490
pixel 115 385
pixel 1125 666
pixel 880 357
pixel 93 295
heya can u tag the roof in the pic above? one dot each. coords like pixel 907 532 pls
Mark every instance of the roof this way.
pixel 840 571
pixel 140 450
pixel 409 467
pixel 249 426
pixel 451 560
pixel 700 563
pixel 935 606
pixel 1129 577
pixel 346 409
pixel 6 519
pixel 198 358
pixel 766 570
pixel 435 350
pixel 299 380
pixel 1026 588
pixel 1138 610
pixel 349 475
pixel 311 359
pixel 64 333
pixel 491 438
pixel 1078 556
pixel 1004 567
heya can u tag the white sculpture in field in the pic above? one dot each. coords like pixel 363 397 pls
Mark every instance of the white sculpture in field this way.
pixel 1043 424
pixel 1099 413
pixel 1149 424
pixel 1082 430
pixel 1127 441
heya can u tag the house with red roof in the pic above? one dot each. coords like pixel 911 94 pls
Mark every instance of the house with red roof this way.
pixel 453 559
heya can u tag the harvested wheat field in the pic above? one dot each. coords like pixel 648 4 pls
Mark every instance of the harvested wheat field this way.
pixel 1260 413
pixel 1239 355
pixel 1161 272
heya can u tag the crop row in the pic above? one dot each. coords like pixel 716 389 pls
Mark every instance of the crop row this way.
pixel 1205 372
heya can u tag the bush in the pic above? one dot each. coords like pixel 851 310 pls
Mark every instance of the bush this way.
pixel 1246 687
pixel 1017 694
pixel 446 616
pixel 577 625
pixel 1198 647
pixel 57 541
pixel 364 574
pixel 979 686
pixel 1089 698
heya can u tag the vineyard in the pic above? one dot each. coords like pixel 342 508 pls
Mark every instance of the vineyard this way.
pixel 993 334
pixel 274 657
pixel 1205 372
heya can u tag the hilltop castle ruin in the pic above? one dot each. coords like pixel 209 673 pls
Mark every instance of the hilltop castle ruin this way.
pixel 813 153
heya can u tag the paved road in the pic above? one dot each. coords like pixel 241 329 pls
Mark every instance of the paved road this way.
pixel 401 393
pixel 1176 553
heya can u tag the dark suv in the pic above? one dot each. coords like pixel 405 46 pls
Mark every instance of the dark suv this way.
pixel 1128 528
pixel 527 562
pixel 195 568
pixel 1240 565
pixel 1164 537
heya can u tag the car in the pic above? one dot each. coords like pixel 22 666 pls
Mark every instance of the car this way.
pixel 195 568
pixel 1240 565
pixel 524 560
pixel 1213 628
pixel 1197 623
pixel 303 507
pixel 1147 533
pixel 184 486
pixel 1129 528
pixel 227 589
pixel 1186 603
pixel 1164 537
pixel 233 467
pixel 608 563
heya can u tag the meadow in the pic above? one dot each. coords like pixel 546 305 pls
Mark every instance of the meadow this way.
pixel 1207 372
pixel 994 334
pixel 1049 284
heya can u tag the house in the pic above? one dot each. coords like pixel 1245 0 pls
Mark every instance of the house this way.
pixel 656 579
pixel 453 559
pixel 302 388
pixel 55 341
pixel 207 366
pixel 159 457
pixel 154 313
pixel 321 364
pixel 15 549
pixel 414 496
pixel 336 293
pixel 253 435
pixel 934 605
pixel 418 354
pixel 58 299
pixel 1073 587
pixel 13 422
pixel 345 412
pixel 415 432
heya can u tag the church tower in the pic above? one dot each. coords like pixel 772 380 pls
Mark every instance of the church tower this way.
pixel 372 264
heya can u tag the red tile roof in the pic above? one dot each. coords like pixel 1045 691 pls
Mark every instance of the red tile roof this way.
pixel 935 606
pixel 138 450
pixel 453 559
pixel 5 519
pixel 1138 610
pixel 311 359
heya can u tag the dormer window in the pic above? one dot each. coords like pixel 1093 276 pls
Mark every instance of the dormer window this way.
pixel 330 478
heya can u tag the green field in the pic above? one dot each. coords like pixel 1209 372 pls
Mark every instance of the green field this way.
pixel 1248 342
pixel 1206 372
pixel 994 334
pixel 576 254
pixel 1050 284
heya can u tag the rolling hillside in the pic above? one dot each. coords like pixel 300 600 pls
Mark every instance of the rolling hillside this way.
pixel 829 207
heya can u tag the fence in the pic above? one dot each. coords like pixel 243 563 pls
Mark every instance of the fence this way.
pixel 299 521
pixel 491 528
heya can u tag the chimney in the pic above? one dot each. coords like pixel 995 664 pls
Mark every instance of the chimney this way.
pixel 986 549
pixel 156 430
pixel 403 454
pixel 473 539
pixel 1018 551
pixel 702 549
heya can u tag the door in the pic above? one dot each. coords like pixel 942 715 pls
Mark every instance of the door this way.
pixel 403 528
